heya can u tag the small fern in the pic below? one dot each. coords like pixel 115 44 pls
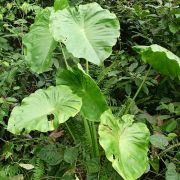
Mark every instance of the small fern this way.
pixel 38 171
pixel 9 171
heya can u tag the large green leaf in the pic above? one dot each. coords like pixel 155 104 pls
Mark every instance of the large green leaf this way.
pixel 125 144
pixel 93 102
pixel 88 31
pixel 161 59
pixel 39 43
pixel 44 110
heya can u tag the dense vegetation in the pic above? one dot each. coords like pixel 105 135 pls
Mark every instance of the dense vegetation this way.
pixel 70 108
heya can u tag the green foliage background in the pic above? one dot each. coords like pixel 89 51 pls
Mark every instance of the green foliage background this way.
pixel 54 155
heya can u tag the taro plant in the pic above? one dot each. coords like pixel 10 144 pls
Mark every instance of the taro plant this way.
pixel 161 59
pixel 87 32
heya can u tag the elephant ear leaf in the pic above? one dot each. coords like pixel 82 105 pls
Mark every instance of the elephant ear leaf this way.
pixel 125 144
pixel 39 43
pixel 88 31
pixel 161 59
pixel 44 110
pixel 93 102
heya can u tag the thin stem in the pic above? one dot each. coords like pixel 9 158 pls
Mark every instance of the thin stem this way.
pixel 71 133
pixel 92 129
pixel 106 70
pixel 64 56
pixel 137 92
pixel 169 149
pixel 67 66
pixel 3 140
pixel 87 67
pixel 87 125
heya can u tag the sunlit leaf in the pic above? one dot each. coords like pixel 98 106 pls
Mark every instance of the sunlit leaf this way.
pixel 125 144
pixel 26 166
pixel 44 110
pixel 39 43
pixel 60 4
pixel 88 31
pixel 160 59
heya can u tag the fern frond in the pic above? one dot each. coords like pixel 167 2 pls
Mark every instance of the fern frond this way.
pixel 38 171
pixel 9 170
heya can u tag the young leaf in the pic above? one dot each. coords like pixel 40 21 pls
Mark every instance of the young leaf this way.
pixel 171 173
pixel 160 141
pixel 125 144
pixel 170 125
pixel 154 162
pixel 60 4
pixel 93 102
pixel 59 103
pixel 70 154
pixel 160 59
pixel 51 154
pixel 88 31
pixel 39 43
pixel 93 165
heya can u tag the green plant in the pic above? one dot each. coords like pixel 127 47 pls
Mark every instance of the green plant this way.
pixel 160 59
pixel 96 30
pixel 148 22
pixel 122 141
pixel 38 170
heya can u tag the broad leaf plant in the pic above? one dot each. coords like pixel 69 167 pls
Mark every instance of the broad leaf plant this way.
pixel 88 32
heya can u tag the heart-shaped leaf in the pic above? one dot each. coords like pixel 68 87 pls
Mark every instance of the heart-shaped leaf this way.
pixel 160 59
pixel 39 43
pixel 125 144
pixel 44 110
pixel 88 31
pixel 93 102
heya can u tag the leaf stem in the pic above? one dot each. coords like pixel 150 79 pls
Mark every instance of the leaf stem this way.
pixel 87 67
pixel 67 66
pixel 92 129
pixel 71 133
pixel 137 92
pixel 168 149
pixel 64 56
pixel 95 142
pixel 88 134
